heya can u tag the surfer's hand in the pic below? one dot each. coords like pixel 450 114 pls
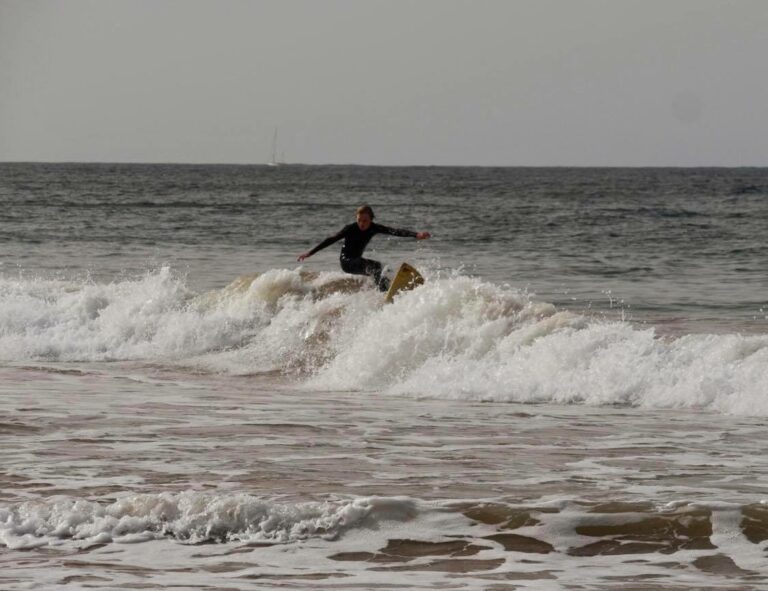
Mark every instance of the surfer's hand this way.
pixel 302 256
pixel 422 235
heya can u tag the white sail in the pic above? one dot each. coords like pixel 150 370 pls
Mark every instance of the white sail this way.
pixel 273 160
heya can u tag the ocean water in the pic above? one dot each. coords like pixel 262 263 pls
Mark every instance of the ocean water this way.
pixel 577 397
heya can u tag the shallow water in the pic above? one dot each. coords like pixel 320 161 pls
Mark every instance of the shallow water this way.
pixel 126 475
pixel 575 399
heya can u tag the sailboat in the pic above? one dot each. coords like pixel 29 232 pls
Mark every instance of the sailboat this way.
pixel 273 161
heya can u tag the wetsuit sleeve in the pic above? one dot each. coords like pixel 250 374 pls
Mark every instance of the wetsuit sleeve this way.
pixel 328 241
pixel 395 232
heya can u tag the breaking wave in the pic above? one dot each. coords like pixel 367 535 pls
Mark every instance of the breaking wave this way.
pixel 188 517
pixel 455 337
pixel 719 538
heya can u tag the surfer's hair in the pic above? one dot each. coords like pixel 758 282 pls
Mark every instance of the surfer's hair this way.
pixel 366 209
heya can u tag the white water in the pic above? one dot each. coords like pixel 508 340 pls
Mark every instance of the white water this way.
pixel 477 340
pixel 123 474
pixel 190 517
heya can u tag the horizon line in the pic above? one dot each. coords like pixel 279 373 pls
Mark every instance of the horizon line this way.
pixel 364 165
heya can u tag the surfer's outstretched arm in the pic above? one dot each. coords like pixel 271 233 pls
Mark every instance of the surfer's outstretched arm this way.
pixel 404 233
pixel 327 242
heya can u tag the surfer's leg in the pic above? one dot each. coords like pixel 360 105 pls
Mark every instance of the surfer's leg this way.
pixel 361 266
pixel 353 266
pixel 373 268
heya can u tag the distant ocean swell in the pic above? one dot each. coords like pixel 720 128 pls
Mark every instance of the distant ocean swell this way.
pixel 456 337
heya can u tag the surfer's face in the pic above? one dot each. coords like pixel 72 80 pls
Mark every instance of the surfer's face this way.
pixel 363 221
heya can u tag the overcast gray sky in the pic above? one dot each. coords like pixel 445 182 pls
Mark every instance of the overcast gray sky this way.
pixel 487 82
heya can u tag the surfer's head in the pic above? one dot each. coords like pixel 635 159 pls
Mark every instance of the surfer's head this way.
pixel 364 217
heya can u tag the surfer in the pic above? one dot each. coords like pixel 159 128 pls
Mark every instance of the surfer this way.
pixel 356 237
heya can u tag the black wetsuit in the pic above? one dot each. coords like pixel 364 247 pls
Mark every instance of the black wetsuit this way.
pixel 355 241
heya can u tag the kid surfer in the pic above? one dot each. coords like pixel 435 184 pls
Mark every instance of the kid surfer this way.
pixel 356 237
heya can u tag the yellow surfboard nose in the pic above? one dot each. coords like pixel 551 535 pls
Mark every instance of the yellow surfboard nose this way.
pixel 406 278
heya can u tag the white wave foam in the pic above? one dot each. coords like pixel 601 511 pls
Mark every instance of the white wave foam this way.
pixel 191 517
pixel 463 338
pixel 608 363
pixel 455 337
pixel 154 316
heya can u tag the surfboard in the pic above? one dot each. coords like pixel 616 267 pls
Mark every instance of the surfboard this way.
pixel 406 278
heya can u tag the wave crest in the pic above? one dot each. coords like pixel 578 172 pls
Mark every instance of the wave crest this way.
pixel 454 337
pixel 190 517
